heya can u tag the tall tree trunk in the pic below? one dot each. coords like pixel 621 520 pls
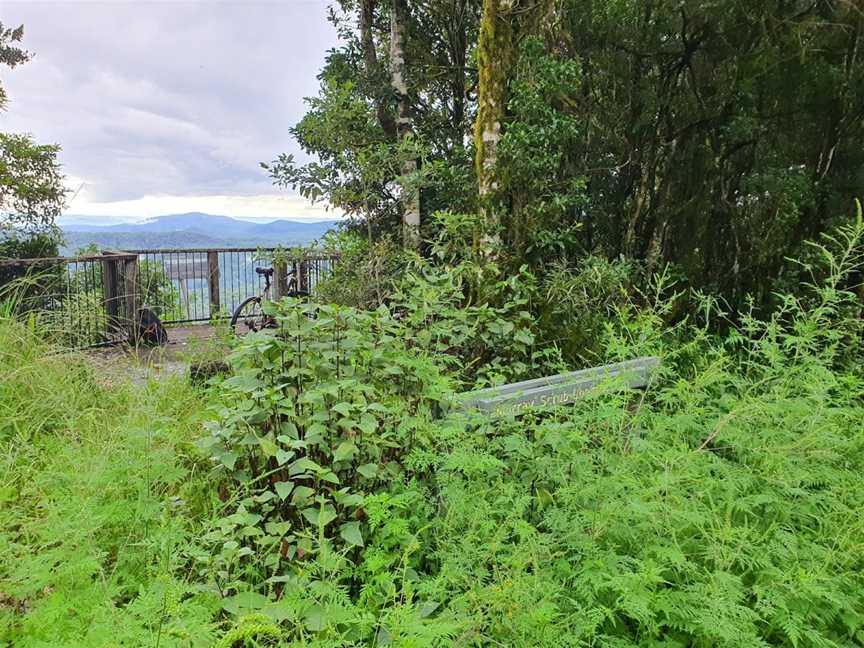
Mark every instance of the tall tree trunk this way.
pixel 502 24
pixel 457 44
pixel 495 59
pixel 404 121
pixel 370 62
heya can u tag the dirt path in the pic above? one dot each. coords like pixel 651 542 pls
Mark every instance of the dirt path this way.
pixel 186 344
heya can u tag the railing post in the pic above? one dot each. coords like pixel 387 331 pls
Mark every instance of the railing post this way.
pixel 132 300
pixel 303 275
pixel 280 279
pixel 111 292
pixel 213 282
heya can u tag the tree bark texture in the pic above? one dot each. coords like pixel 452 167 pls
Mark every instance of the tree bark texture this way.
pixel 370 62
pixel 404 121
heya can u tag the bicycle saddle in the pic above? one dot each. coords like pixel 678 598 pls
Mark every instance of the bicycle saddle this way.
pixel 267 272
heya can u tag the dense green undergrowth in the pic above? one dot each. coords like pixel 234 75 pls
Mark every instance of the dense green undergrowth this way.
pixel 321 495
pixel 97 495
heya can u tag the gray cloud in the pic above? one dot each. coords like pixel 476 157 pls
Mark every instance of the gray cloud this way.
pixel 170 98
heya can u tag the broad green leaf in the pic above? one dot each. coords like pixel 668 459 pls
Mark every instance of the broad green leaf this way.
pixel 329 476
pixel 350 533
pixel 524 337
pixel 289 429
pixel 228 459
pixel 320 516
pixel 303 464
pixel 342 408
pixel 283 456
pixel 301 495
pixel 346 450
pixel 428 608
pixel 316 429
pixel 268 447
pixel 283 489
pixel 314 619
pixel 277 528
pixel 369 471
pixel 244 603
pixel 368 423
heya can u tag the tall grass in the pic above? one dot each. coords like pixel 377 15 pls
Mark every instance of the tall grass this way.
pixel 97 493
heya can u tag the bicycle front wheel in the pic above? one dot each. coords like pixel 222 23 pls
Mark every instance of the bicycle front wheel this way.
pixel 248 316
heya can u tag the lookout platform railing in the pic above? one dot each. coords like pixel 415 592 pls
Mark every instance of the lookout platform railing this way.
pixel 92 300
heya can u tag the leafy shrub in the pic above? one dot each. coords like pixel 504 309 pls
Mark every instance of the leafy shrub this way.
pixel 319 413
pixel 366 272
pixel 482 343
pixel 548 196
pixel 20 288
pixel 722 506
pixel 576 303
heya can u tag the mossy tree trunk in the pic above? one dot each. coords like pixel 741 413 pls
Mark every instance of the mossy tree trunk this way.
pixel 404 122
pixel 496 54
pixel 503 23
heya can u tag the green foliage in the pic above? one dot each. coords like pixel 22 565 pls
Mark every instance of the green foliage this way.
pixel 694 148
pixel 723 508
pixel 97 495
pixel 11 53
pixel 342 506
pixel 539 178
pixel 366 273
pixel 350 128
pixel 317 414
pixel 15 247
pixel 661 131
pixel 32 194
pixel 575 304
pixel 482 343
pixel 67 302
pixel 35 247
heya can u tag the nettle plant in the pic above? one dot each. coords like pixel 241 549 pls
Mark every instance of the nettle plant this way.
pixel 483 342
pixel 319 412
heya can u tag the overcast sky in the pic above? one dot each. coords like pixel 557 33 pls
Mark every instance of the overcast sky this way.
pixel 165 106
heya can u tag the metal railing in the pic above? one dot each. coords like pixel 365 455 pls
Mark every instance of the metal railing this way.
pixel 93 300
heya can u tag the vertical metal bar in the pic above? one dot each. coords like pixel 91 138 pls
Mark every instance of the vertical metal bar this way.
pixel 93 316
pixel 221 277
pixel 230 257
pixel 130 283
pixel 68 308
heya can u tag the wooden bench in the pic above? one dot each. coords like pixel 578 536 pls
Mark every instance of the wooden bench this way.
pixel 551 391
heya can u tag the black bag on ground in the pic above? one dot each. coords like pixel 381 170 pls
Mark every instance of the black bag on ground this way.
pixel 149 329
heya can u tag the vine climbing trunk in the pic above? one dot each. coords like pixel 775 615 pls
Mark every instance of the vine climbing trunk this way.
pixel 404 124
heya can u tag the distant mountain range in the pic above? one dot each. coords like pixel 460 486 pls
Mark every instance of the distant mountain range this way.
pixel 193 229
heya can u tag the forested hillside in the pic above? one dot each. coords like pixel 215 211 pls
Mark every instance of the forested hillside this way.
pixel 534 188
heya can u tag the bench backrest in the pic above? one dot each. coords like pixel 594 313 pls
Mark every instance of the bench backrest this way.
pixel 555 390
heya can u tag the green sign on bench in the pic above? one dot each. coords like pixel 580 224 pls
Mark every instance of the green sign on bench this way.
pixel 513 399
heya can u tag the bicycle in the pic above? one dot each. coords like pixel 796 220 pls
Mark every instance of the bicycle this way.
pixel 250 312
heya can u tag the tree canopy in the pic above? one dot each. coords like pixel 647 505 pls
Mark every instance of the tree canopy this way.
pixel 32 194
pixel 712 136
